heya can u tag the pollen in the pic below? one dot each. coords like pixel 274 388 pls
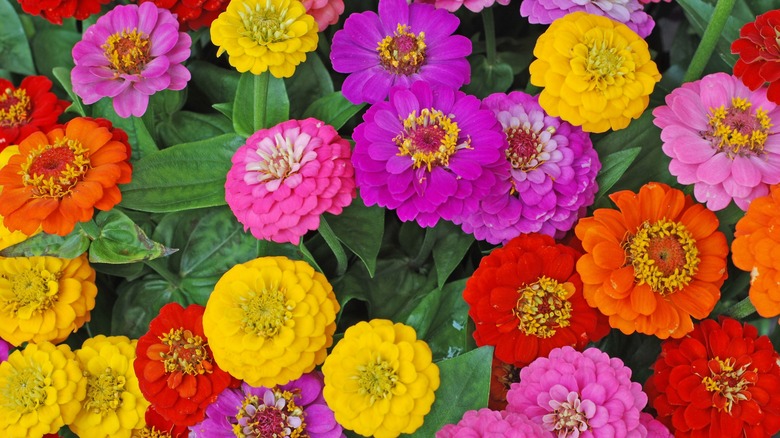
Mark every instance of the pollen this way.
pixel 664 256
pixel 53 170
pixel 599 64
pixel 402 53
pixel 543 307
pixel 739 129
pixel 15 108
pixel 377 379
pixel 32 292
pixel 265 312
pixel 104 392
pixel 729 382
pixel 265 24
pixel 430 139
pixel 128 52
pixel 182 352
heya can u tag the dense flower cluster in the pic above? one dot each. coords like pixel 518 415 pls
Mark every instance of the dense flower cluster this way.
pixel 56 10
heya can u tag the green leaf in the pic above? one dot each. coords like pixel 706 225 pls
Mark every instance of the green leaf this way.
pixel 182 177
pixel 450 247
pixel 613 166
pixel 360 228
pixel 441 318
pixel 122 241
pixel 333 109
pixel 52 48
pixel 699 14
pixel 140 301
pixel 138 134
pixel 15 53
pixel 487 79
pixel 218 84
pixel 310 81
pixel 333 242
pixel 261 102
pixel 62 75
pixel 187 127
pixel 42 244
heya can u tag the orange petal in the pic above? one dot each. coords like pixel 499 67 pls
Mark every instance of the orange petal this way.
pixel 609 255
pixel 643 299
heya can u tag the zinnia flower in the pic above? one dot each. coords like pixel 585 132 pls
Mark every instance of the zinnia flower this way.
pixel 175 368
pixel 8 237
pixel 5 349
pixel 114 406
pixel 380 379
pixel 55 10
pixel 285 177
pixel 502 376
pixel 402 44
pixel 44 298
pixel 759 54
pixel 158 426
pixel 487 423
pixel 654 263
pixel 294 409
pixel 721 381
pixel 41 390
pixel 129 54
pixel 471 5
pixel 192 14
pixel 29 108
pixel 596 72
pixel 270 320
pixel 57 179
pixel 628 12
pixel 325 12
pixel 429 153
pixel 526 299
pixel 722 138
pixel 552 172
pixel 580 394
pixel 265 35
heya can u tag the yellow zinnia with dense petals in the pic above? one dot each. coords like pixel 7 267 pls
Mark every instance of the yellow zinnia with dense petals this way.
pixel 596 72
pixel 41 390
pixel 380 380
pixel 44 298
pixel 261 35
pixel 8 237
pixel 270 320
pixel 114 406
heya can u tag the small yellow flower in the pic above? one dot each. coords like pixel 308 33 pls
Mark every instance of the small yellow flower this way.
pixel 270 320
pixel 380 380
pixel 261 35
pixel 596 72
pixel 41 390
pixel 114 406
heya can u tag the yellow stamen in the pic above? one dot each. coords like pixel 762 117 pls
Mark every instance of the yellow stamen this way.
pixel 543 307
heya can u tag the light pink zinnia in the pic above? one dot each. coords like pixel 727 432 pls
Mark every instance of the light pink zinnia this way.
pixel 488 423
pixel 129 54
pixel 325 12
pixel 286 176
pixel 722 138
pixel 471 5
pixel 628 12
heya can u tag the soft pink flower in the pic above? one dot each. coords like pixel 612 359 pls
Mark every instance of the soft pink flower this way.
pixel 495 424
pixel 471 5
pixel 325 12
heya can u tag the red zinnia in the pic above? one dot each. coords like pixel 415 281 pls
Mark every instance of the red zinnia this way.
pixel 722 380
pixel 29 108
pixel 526 299
pixel 759 54
pixel 175 368
pixel 192 14
pixel 158 426
pixel 56 10
pixel 502 377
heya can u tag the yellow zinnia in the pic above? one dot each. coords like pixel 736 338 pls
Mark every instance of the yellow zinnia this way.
pixel 261 35
pixel 380 380
pixel 41 390
pixel 270 320
pixel 44 298
pixel 114 405
pixel 596 72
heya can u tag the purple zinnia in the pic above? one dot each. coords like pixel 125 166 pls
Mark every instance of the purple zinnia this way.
pixel 588 394
pixel 401 45
pixel 129 54
pixel 294 409
pixel 429 153
pixel 628 12
pixel 552 172
pixel 5 349
pixel 488 423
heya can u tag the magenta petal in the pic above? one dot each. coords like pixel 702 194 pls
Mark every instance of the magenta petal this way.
pixel 111 88
pixel 715 170
pixel 156 67
pixel 131 103
pixel 745 173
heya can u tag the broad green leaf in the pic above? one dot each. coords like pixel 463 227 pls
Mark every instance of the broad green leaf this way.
pixel 15 52
pixel 122 241
pixel 333 242
pixel 188 126
pixel 140 301
pixel 139 137
pixel 333 109
pixel 52 48
pixel 308 257
pixel 441 318
pixel 42 244
pixel 261 102
pixel 487 79
pixel 613 166
pixel 62 75
pixel 310 81
pixel 218 84
pixel 450 247
pixel 360 228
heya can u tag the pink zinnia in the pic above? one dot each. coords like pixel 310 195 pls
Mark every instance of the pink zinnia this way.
pixel 325 12
pixel 722 138
pixel 286 176
pixel 129 54
pixel 628 12
pixel 488 423
pixel 471 5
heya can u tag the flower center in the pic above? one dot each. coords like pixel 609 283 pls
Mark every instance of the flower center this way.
pixel 264 24
pixel 738 130
pixel 151 432
pixel 183 352
pixel 664 255
pixel 567 417
pixel 526 148
pixel 376 379
pixel 430 139
pixel 104 392
pixel 598 64
pixel 276 415
pixel 543 306
pixel 402 53
pixel 279 158
pixel 128 52
pixel 32 291
pixel 25 390
pixel 53 170
pixel 728 382
pixel 266 312
pixel 15 108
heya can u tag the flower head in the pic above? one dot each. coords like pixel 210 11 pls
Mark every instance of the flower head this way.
pixel 471 5
pixel 270 320
pixel 485 422
pixel 654 263
pixel 129 54
pixel 26 109
pixel 265 35
pixel 175 367
pixel 429 153
pixel 41 390
pixel 722 138
pixel 325 12
pixel 285 177
pixel 722 380
pixel 9 237
pixel 628 12
pixel 502 376
pixel 158 426
pixel 552 173
pixel 596 72
pixel 192 14
pixel 759 54
pixel 380 379
pixel 55 10
pixel 402 44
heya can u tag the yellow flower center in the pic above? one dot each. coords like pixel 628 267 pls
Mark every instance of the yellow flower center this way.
pixel 186 353
pixel 543 307
pixel 265 24
pixel 25 390
pixel 104 392
pixel 599 64
pixel 128 52
pixel 32 291
pixel 273 415
pixel 430 139
pixel 728 383
pixel 664 256
pixel 376 379
pixel 15 108
pixel 402 53
pixel 151 432
pixel 738 130
pixel 53 170
pixel 266 312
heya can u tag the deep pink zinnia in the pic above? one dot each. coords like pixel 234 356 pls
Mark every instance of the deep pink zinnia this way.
pixel 286 176
pixel 488 423
pixel 129 54
pixel 628 12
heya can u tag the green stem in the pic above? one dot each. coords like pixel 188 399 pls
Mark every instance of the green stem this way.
pixel 709 40
pixel 425 249
pixel 162 271
pixel 490 35
pixel 741 309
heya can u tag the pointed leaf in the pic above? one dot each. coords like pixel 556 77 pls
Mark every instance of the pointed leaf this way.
pixel 333 109
pixel 360 228
pixel 122 241
pixel 261 102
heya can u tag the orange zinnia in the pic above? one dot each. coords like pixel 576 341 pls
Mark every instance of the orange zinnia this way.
pixel 654 263
pixel 58 178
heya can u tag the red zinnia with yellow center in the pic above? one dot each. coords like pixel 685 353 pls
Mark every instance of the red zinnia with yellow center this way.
pixel 26 109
